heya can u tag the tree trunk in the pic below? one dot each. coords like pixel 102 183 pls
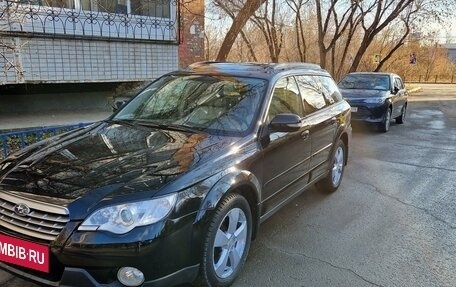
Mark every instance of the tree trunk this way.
pixel 239 21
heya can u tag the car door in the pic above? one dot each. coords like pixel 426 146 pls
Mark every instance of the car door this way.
pixel 287 154
pixel 400 97
pixel 321 122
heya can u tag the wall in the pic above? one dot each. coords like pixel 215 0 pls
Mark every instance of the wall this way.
pixel 42 98
pixel 191 46
pixel 54 60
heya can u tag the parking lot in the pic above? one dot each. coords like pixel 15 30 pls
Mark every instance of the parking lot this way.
pixel 392 222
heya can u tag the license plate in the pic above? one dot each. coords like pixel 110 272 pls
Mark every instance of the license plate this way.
pixel 354 109
pixel 24 253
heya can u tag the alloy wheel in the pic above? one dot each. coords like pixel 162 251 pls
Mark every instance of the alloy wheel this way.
pixel 338 166
pixel 387 119
pixel 230 242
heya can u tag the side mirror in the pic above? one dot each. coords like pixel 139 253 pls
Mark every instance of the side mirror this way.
pixel 285 123
pixel 395 90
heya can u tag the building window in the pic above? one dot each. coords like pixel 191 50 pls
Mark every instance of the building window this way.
pixel 59 3
pixel 151 8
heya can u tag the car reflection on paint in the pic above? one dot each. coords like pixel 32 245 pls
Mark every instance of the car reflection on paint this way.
pixel 173 187
pixel 375 98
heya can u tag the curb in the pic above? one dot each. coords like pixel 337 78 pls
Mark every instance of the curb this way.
pixel 415 90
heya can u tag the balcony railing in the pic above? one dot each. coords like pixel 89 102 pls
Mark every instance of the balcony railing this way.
pixel 120 22
pixel 13 141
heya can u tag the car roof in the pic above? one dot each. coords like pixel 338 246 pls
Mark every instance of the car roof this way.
pixel 257 70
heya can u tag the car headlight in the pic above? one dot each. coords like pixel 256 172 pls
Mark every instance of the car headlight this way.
pixel 374 100
pixel 120 219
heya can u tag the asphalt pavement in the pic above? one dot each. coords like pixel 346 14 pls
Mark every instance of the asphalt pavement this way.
pixel 391 223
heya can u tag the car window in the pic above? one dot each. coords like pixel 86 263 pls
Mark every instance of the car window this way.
pixel 330 90
pixel 398 83
pixel 214 104
pixel 310 89
pixel 286 99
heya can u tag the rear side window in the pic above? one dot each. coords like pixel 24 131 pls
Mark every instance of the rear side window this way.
pixel 286 99
pixel 330 90
pixel 311 93
pixel 398 83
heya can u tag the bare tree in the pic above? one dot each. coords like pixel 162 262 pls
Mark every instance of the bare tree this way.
pixel 231 8
pixel 239 21
pixel 331 26
pixel 269 22
pixel 9 48
pixel 301 44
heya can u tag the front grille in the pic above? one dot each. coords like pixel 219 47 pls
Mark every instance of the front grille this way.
pixel 44 221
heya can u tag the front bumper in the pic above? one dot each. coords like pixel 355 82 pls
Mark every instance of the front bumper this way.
pixel 80 277
pixel 166 252
pixel 370 113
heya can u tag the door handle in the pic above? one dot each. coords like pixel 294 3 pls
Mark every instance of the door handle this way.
pixel 305 134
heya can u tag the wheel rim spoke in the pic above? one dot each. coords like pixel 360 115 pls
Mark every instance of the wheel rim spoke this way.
pixel 241 232
pixel 221 238
pixel 221 266
pixel 234 217
pixel 235 257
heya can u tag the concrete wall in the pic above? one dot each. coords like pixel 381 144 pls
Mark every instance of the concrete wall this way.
pixel 42 98
pixel 54 60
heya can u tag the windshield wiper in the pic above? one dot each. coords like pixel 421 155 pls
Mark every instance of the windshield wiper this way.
pixel 131 123
pixel 173 127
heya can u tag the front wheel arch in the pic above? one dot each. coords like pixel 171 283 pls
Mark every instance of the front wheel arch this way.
pixel 246 185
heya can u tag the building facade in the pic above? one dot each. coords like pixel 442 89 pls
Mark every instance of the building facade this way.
pixel 451 47
pixel 51 42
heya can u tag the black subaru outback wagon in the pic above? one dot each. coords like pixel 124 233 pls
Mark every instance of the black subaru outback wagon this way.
pixel 173 187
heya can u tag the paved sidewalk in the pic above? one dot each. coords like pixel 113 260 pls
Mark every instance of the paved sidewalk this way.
pixel 12 121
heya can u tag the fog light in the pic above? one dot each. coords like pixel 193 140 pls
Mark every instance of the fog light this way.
pixel 130 276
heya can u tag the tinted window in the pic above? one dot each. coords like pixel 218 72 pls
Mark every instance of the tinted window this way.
pixel 286 99
pixel 311 93
pixel 330 90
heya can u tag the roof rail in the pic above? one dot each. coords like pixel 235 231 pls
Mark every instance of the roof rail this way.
pixel 198 64
pixel 297 65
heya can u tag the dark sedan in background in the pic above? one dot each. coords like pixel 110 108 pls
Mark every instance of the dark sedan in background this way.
pixel 375 97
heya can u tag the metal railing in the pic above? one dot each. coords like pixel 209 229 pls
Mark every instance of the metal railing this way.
pixel 15 140
pixel 436 79
pixel 151 20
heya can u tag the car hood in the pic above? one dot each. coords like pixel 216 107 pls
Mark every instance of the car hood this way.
pixel 107 160
pixel 361 95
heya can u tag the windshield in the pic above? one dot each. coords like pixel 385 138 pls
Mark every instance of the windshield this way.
pixel 365 82
pixel 213 104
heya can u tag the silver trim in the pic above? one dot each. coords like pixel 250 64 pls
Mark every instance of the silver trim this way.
pixel 45 221
pixel 34 204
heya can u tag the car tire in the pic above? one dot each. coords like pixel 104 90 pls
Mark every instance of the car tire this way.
pixel 331 182
pixel 227 242
pixel 401 119
pixel 385 124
